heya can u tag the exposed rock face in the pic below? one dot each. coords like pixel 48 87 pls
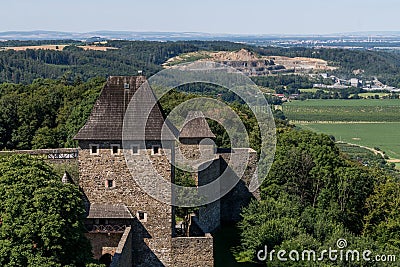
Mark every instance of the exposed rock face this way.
pixel 241 55
pixel 254 65
pixel 247 62
pixel 299 64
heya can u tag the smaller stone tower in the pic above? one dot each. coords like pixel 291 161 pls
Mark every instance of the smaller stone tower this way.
pixel 196 140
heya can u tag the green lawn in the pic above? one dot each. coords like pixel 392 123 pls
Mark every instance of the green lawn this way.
pixel 386 136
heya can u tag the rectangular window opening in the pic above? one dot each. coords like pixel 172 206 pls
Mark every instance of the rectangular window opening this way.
pixel 115 149
pixel 94 149
pixel 142 216
pixel 135 150
pixel 156 150
pixel 110 184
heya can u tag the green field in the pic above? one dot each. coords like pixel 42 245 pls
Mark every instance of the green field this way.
pixel 345 103
pixel 386 136
pixel 363 110
pixel 372 94
pixel 352 121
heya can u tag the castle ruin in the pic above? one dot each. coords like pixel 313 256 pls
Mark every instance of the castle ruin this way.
pixel 128 227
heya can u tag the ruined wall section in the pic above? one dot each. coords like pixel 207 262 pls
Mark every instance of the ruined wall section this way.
pixel 209 215
pixel 103 243
pixel 123 254
pixel 240 196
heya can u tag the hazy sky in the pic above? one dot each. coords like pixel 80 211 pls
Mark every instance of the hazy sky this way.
pixel 251 16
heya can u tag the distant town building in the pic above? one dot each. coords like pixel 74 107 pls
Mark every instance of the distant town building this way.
pixel 354 82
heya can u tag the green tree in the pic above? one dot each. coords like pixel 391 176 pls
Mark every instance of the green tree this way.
pixel 44 114
pixel 314 196
pixel 45 138
pixel 41 219
pixel 8 118
pixel 268 223
pixel 383 219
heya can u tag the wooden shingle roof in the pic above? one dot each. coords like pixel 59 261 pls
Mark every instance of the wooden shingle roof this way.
pixel 107 117
pixel 108 211
pixel 196 126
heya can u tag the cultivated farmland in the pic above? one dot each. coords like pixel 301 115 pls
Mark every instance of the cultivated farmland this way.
pixel 385 136
pixel 371 123
pixel 363 110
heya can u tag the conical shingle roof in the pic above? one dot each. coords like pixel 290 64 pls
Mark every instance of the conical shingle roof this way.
pixel 196 126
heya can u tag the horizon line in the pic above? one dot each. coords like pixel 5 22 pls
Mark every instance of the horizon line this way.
pixel 374 32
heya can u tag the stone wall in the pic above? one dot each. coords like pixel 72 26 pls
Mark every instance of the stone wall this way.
pixel 196 151
pixel 193 251
pixel 189 151
pixel 239 197
pixel 103 240
pixel 123 253
pixel 152 242
pixel 209 215
pixel 152 238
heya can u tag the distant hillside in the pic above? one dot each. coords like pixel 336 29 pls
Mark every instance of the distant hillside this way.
pixel 253 64
pixel 128 57
pixel 74 62
pixel 182 36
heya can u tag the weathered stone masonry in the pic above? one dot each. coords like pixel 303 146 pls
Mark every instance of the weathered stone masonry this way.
pixel 123 220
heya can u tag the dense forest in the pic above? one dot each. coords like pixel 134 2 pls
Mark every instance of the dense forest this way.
pixel 46 113
pixel 313 196
pixel 132 56
pixel 75 63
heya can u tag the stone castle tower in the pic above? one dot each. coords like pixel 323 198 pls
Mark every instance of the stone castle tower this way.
pixel 126 226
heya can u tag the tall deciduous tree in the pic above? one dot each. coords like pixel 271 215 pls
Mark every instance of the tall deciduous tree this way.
pixel 41 219
pixel 383 219
pixel 313 196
